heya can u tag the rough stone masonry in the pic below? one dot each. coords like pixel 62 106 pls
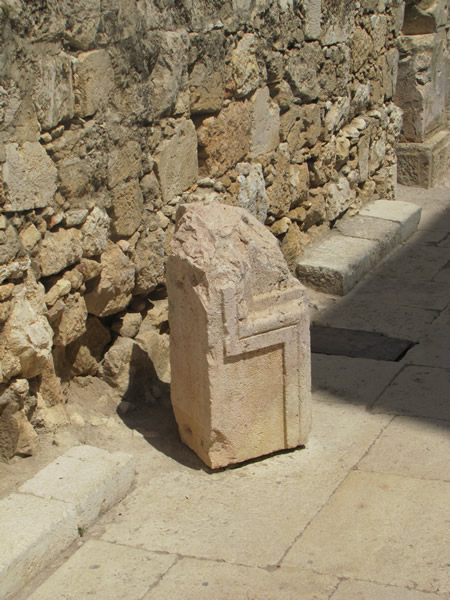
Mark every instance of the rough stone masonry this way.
pixel 111 111
pixel 239 327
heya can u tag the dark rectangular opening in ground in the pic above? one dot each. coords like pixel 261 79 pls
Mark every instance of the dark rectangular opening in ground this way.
pixel 356 343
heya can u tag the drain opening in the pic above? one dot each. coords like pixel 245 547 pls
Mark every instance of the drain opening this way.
pixel 357 343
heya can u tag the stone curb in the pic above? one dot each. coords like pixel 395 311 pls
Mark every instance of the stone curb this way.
pixel 336 264
pixel 49 510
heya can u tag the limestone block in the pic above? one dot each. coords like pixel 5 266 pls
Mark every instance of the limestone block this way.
pixel 26 342
pixel 127 207
pixel 338 197
pixel 209 74
pixel 421 85
pixel 124 163
pixel 148 257
pixel 111 292
pixel 239 331
pixel 265 127
pixel 313 15
pixel 246 71
pixel 156 346
pixel 218 149
pixel 83 19
pixel 167 78
pixel 176 160
pixel 252 194
pixel 95 232
pixel 424 16
pixel 338 20
pixel 94 81
pixel 424 164
pixel 128 324
pixel 301 126
pixel 302 71
pixel 53 94
pixel 9 244
pixel 29 237
pixel 71 323
pixel 59 250
pixel 29 177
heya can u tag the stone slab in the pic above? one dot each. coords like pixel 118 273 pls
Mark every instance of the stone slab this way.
pixel 33 533
pixel 424 164
pixel 336 264
pixel 188 511
pixel 411 447
pixel 415 262
pixel 404 213
pixel 387 233
pixel 89 478
pixel 350 380
pixel 366 590
pixel 433 349
pixel 373 529
pixel 207 580
pixel 105 571
pixel 419 392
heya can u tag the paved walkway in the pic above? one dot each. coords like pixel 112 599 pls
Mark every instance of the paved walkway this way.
pixel 361 513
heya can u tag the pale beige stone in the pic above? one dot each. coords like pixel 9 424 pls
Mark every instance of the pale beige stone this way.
pixel 176 159
pixel 127 207
pixel 245 66
pixel 95 232
pixel 29 237
pixel 411 447
pixel 265 128
pixel 53 93
pixel 348 537
pixel 124 162
pixel 204 580
pixel 30 176
pixel 85 353
pixel 239 338
pixel 111 293
pixel 94 81
pixel 105 571
pixel 59 250
pixel 252 195
pixel 72 322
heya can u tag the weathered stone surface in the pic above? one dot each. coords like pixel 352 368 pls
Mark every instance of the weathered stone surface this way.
pixel 111 292
pixel 128 324
pixel 156 345
pixel 217 150
pixel 53 94
pixel 252 194
pixel 301 70
pixel 26 340
pixel 30 177
pixel 338 21
pixel 94 81
pixel 127 207
pixel 59 250
pixel 148 257
pixel 265 128
pixel 246 72
pixel 124 163
pixel 17 436
pixel 424 164
pixel 71 323
pixel 29 237
pixel 176 160
pixel 234 395
pixel 95 232
pixel 208 77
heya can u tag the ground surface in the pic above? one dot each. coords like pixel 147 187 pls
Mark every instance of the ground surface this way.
pixel 359 514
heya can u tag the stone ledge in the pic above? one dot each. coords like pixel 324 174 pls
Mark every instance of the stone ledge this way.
pixel 424 164
pixel 45 517
pixel 336 264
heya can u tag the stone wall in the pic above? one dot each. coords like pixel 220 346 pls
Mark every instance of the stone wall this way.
pixel 112 113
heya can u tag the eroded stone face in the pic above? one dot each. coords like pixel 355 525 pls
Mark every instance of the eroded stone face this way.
pixel 239 324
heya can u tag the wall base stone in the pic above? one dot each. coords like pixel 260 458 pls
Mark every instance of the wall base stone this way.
pixel 424 164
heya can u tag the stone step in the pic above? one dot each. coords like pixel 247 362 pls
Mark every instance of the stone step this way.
pixel 356 245
pixel 54 507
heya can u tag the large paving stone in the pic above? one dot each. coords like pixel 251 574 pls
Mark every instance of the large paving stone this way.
pixel 411 447
pixel 383 528
pixel 414 262
pixel 33 533
pixel 404 213
pixel 205 580
pixel 366 590
pixel 105 571
pixel 350 380
pixel 434 348
pixel 189 511
pixel 417 391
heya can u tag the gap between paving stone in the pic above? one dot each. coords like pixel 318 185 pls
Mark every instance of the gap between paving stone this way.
pixel 53 508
